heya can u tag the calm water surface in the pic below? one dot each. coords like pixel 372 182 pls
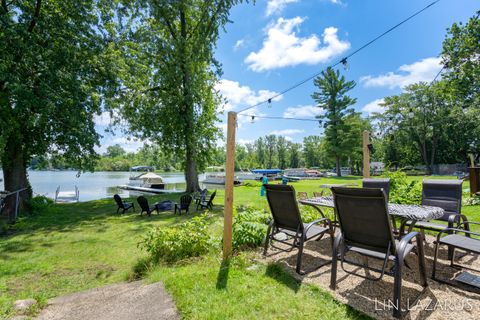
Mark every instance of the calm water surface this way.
pixel 92 186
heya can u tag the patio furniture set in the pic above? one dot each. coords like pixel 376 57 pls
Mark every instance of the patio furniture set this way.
pixel 365 223
pixel 201 199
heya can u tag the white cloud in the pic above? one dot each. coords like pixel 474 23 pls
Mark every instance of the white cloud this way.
pixel 276 6
pixel 238 96
pixel 374 107
pixel 239 44
pixel 303 112
pixel 423 70
pixel 287 132
pixel 244 141
pixel 282 47
pixel 104 119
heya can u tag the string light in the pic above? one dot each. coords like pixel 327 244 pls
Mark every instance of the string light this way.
pixel 343 60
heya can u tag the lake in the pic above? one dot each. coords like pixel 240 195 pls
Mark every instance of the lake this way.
pixel 96 185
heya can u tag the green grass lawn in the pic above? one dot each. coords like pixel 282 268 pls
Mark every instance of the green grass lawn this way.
pixel 73 247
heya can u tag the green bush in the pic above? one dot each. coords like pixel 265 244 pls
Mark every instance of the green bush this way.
pixel 249 228
pixel 38 204
pixel 401 190
pixel 189 239
pixel 472 201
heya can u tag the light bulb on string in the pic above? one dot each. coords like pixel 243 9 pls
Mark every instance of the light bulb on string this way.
pixel 269 103
pixel 253 119
pixel 345 64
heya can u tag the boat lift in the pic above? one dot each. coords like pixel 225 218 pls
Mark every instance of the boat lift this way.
pixel 67 196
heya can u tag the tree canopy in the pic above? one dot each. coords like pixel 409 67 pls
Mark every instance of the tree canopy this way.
pixel 54 71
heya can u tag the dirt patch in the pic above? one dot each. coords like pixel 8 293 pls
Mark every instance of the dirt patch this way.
pixel 437 301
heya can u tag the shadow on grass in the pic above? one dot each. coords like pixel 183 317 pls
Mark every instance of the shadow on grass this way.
pixel 222 277
pixel 276 272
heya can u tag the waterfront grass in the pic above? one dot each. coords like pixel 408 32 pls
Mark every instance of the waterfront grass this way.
pixel 72 247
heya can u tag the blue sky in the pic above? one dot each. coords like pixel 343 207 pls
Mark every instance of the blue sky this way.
pixel 274 44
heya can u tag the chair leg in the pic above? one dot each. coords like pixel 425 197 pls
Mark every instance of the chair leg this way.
pixel 421 262
pixel 333 277
pixel 299 255
pixel 435 258
pixel 397 288
pixel 267 239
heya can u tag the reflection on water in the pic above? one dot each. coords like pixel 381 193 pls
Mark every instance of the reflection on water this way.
pixel 96 185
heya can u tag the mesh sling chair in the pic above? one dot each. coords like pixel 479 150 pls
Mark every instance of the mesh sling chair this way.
pixel 184 204
pixel 287 220
pixel 378 183
pixel 207 204
pixel 144 207
pixel 365 228
pixel 122 204
pixel 464 242
pixel 446 194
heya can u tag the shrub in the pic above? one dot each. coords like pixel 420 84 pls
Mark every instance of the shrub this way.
pixel 249 228
pixel 38 204
pixel 472 201
pixel 189 239
pixel 403 191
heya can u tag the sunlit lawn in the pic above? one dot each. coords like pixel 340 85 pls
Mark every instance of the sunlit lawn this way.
pixel 79 246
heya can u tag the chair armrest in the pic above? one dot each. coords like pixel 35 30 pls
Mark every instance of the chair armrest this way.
pixel 316 222
pixel 448 230
pixel 402 245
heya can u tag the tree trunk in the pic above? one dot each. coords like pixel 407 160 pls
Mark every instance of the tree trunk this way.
pixel 15 178
pixel 337 161
pixel 191 174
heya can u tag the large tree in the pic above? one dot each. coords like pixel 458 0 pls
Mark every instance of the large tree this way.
pixel 332 97
pixel 460 55
pixel 170 75
pixel 52 71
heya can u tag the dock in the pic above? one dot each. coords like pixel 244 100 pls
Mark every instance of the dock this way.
pixel 67 196
pixel 150 190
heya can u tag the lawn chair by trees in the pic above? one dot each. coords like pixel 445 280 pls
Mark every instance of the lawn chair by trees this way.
pixel 207 204
pixel 184 204
pixel 287 220
pixel 144 207
pixel 123 204
pixel 302 195
pixel 365 228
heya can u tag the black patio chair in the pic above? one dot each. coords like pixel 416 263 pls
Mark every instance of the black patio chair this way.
pixel 123 204
pixel 456 241
pixel 287 220
pixel 207 204
pixel 144 207
pixel 184 204
pixel 200 196
pixel 381 183
pixel 365 228
pixel 446 194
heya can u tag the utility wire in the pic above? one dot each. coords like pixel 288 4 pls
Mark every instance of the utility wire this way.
pixel 343 60
pixel 277 118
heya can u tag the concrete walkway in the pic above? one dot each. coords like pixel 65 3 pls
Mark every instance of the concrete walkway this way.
pixel 133 300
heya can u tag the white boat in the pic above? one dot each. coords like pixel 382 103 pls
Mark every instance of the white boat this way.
pixel 218 179
pixel 246 175
pixel 147 180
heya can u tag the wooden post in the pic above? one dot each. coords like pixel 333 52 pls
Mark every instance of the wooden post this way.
pixel 366 154
pixel 229 178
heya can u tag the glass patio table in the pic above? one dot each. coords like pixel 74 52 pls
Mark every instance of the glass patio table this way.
pixel 408 212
